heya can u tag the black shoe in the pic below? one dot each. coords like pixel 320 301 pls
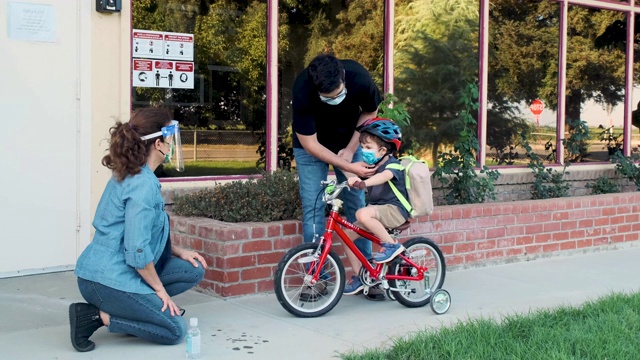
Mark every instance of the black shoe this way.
pixel 313 293
pixel 375 294
pixel 85 320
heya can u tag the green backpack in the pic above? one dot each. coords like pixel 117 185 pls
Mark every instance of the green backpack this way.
pixel 418 184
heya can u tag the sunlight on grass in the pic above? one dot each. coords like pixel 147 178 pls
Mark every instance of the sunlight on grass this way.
pixel 604 329
pixel 212 168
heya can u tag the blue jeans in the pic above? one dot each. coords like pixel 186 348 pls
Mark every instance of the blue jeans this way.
pixel 140 314
pixel 310 172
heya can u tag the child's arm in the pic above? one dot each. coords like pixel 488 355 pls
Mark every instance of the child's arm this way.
pixel 378 179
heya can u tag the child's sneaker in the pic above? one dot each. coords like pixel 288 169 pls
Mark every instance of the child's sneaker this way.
pixel 388 252
pixel 354 286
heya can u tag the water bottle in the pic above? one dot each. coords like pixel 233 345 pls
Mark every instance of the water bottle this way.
pixel 193 339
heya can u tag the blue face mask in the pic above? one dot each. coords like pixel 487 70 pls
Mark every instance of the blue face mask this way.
pixel 369 156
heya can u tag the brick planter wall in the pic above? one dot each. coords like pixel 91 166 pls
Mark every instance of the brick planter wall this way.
pixel 243 256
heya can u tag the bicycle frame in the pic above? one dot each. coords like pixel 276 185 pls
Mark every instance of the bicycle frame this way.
pixel 378 272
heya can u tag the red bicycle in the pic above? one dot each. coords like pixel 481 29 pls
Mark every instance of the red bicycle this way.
pixel 414 278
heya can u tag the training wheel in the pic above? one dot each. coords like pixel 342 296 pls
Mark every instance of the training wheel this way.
pixel 440 301
pixel 391 295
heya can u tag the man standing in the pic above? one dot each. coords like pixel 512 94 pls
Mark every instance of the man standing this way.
pixel 331 97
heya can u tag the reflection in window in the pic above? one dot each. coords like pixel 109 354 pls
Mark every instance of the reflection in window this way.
pixel 436 55
pixel 595 83
pixel 523 70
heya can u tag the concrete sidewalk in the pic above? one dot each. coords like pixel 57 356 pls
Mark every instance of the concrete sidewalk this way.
pixel 35 321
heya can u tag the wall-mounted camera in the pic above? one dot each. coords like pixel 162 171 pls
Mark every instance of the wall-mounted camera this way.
pixel 108 6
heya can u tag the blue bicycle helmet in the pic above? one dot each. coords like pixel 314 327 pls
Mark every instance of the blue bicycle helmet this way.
pixel 385 129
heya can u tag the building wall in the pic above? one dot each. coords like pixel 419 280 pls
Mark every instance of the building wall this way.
pixel 58 99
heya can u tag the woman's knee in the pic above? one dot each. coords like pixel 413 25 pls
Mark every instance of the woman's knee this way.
pixel 178 332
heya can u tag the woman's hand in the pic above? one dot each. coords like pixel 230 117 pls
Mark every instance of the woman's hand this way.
pixel 190 256
pixel 167 302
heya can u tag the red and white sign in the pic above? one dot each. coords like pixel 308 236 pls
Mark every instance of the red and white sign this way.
pixel 178 46
pixel 147 44
pixel 162 74
pixel 536 108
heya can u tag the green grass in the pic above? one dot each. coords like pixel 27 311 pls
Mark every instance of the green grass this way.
pixel 210 168
pixel 608 328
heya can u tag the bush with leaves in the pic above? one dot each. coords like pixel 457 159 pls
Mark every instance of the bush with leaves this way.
pixel 457 169
pixel 547 182
pixel 627 167
pixel 603 185
pixel 274 196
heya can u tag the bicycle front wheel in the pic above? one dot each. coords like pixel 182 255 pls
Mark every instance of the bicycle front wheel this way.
pixel 292 287
pixel 424 253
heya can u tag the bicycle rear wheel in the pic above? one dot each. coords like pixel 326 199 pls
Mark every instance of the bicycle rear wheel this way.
pixel 292 287
pixel 425 253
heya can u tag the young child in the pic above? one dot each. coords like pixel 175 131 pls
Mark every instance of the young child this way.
pixel 380 139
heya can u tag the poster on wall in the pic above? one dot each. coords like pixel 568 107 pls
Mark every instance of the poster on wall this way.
pixel 147 44
pixel 163 74
pixel 178 46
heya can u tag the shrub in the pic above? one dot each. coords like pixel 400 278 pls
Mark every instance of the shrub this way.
pixel 272 197
pixel 457 169
pixel 603 185
pixel 626 167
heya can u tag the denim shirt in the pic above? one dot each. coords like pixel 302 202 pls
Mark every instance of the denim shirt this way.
pixel 132 228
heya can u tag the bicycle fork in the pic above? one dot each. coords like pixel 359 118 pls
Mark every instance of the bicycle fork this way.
pixel 313 273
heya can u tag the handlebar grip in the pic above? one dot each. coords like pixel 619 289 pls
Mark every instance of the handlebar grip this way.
pixel 359 185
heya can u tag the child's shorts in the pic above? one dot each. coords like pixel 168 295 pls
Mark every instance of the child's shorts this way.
pixel 389 215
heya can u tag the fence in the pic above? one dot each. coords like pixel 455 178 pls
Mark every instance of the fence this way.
pixel 219 145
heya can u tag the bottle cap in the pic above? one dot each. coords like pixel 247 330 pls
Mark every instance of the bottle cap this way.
pixel 193 321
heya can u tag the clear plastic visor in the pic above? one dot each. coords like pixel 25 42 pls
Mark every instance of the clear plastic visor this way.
pixel 171 136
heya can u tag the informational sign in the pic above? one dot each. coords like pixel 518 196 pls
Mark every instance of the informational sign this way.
pixel 163 74
pixel 147 44
pixel 31 22
pixel 178 46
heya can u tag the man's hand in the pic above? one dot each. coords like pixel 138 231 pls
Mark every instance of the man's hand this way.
pixel 346 154
pixel 362 169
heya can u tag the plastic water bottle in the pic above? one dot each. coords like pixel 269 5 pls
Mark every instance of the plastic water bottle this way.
pixel 193 339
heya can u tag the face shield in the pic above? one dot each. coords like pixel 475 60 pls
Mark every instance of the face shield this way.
pixel 171 136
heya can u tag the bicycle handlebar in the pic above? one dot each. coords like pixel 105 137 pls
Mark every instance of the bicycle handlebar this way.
pixel 332 189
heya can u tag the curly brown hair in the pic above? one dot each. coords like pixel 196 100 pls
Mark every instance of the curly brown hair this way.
pixel 127 152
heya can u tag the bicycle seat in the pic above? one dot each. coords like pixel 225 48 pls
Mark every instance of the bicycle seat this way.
pixel 402 227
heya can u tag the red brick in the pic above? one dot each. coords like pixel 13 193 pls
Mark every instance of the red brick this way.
pixel 593 212
pixel 631 237
pixel 534 229
pixel 487 211
pixel 270 258
pixel 534 249
pixel 239 289
pixel 514 252
pixel 289 229
pixel 542 238
pixel 257 246
pixel 615 220
pixel 258 232
pixel 624 228
pixel 465 224
pixel 496 233
pixel 569 225
pixel 274 230
pixel 475 235
pixel 561 235
pixel 632 218
pixel 524 240
pixel 525 219
pixel 506 243
pixel 486 222
pixel 542 217
pixel 456 213
pixel 465 247
pixel 515 230
pixel 445 215
pixel 195 244
pixel 561 215
pixel 454 260
pixel 261 272
pixel 603 221
pixel 608 211
pixel 550 247
pixel 232 234
pixel 584 243
pixel 453 237
pixel 230 248
pixel 577 234
pixel 617 238
pixel 506 220
pixel 446 249
pixel 214 275
pixel 243 261
pixel 208 258
pixel 600 241
pixel 568 245
pixel 287 243
pixel 265 285
pixel 585 223
pixel 494 254
pixel 211 247
pixel 192 228
pixel 473 257
pixel 486 245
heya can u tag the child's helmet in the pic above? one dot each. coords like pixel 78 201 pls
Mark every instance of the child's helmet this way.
pixel 385 129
